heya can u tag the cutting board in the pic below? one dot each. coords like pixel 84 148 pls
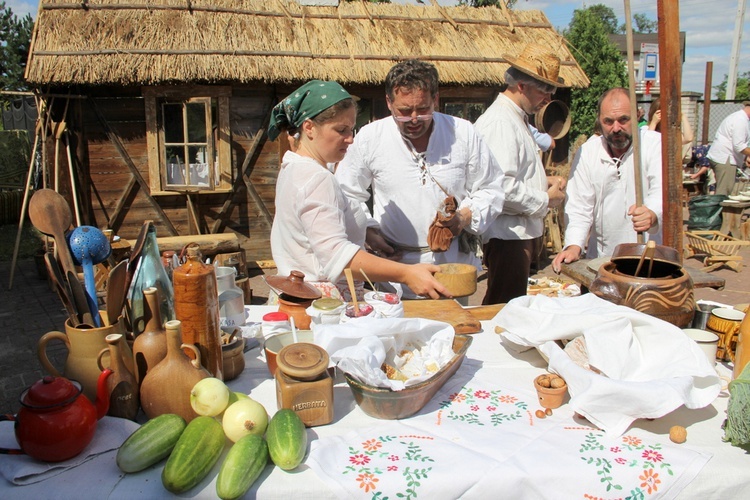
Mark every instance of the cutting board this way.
pixel 448 311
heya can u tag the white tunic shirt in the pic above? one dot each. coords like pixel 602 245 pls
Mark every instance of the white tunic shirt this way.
pixel 316 229
pixel 732 136
pixel 505 129
pixel 407 193
pixel 600 192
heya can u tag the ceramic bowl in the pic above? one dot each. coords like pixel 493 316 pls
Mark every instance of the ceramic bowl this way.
pixel 383 403
pixel 459 279
pixel 273 345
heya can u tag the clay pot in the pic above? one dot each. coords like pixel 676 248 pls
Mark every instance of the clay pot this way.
pixel 234 358
pixel 166 388
pixel 84 346
pixel 667 294
pixel 150 347
pixel 550 397
pixel 296 308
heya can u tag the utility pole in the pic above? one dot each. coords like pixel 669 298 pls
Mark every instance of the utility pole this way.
pixel 734 57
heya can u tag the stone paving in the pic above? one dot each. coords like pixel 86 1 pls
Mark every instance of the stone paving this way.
pixel 32 309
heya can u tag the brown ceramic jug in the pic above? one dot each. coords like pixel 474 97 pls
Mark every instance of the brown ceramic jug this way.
pixel 196 306
pixel 84 346
pixel 150 347
pixel 166 387
pixel 656 286
pixel 122 387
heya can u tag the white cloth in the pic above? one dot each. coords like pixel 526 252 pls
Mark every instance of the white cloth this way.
pixel 506 130
pixel 648 367
pixel 403 205
pixel 732 136
pixel 599 195
pixel 110 433
pixel 316 229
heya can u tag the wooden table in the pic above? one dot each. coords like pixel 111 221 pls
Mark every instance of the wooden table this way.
pixel 580 272
pixel 731 218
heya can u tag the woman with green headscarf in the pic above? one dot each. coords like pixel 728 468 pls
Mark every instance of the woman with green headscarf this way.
pixel 317 230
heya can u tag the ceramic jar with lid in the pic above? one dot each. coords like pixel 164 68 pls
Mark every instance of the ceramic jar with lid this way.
pixel 295 296
pixel 303 383
pixel 274 323
pixel 326 311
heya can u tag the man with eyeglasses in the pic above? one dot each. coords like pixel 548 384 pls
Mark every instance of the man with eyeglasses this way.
pixel 514 240
pixel 413 160
pixel 600 210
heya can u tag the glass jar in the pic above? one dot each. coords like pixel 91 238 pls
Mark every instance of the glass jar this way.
pixel 151 273
pixel 303 383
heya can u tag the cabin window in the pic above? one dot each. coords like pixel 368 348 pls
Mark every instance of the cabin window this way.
pixel 467 110
pixel 188 140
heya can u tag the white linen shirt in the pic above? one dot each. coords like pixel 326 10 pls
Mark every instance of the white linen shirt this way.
pixel 316 229
pixel 506 130
pixel 599 195
pixel 407 197
pixel 732 136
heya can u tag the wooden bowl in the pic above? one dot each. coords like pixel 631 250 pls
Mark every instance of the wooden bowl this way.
pixel 459 279
pixel 383 403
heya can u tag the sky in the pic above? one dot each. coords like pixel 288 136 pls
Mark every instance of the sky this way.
pixel 709 26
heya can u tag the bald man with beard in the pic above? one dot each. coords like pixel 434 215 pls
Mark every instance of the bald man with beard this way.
pixel 600 209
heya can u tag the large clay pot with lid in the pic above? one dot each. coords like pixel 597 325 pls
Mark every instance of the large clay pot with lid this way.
pixel 658 286
pixel 56 422
pixel 166 388
pixel 294 296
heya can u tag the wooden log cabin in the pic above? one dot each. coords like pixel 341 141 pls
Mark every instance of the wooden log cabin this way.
pixel 157 109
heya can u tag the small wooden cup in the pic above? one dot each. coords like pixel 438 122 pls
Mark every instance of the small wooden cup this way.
pixel 459 279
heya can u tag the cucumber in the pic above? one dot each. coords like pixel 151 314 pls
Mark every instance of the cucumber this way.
pixel 195 453
pixel 245 461
pixel 150 443
pixel 287 439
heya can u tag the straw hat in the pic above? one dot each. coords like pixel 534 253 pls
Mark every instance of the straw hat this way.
pixel 538 62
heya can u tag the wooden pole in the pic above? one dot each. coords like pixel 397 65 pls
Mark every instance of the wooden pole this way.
pixel 707 102
pixel 670 82
pixel 633 114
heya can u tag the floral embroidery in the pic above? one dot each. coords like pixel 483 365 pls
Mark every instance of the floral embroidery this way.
pixel 367 482
pixel 400 448
pixel 481 407
pixel 647 458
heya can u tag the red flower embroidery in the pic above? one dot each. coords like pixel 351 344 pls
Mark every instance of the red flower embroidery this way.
pixel 372 445
pixel 491 408
pixel 620 460
pixel 474 407
pixel 458 397
pixel 367 481
pixel 393 458
pixel 482 394
pixel 615 449
pixel 392 468
pixel 359 459
pixel 650 481
pixel 508 399
pixel 631 440
pixel 652 455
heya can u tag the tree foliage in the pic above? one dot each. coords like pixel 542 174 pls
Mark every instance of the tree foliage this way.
pixel 742 87
pixel 600 60
pixel 642 24
pixel 15 37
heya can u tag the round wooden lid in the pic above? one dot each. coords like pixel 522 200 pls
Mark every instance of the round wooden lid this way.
pixel 302 360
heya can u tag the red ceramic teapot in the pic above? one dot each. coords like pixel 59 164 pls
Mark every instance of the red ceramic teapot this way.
pixel 56 421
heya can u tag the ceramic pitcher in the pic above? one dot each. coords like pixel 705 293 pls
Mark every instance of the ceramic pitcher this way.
pixel 84 345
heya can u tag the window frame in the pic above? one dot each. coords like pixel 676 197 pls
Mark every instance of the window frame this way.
pixel 157 161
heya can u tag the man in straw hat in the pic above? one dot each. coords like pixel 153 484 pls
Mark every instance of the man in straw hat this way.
pixel 515 238
pixel 414 160
pixel 600 205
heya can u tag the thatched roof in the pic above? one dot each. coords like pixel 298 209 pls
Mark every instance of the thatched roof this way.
pixel 96 42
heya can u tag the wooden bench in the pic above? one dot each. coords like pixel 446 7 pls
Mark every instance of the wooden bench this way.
pixel 716 248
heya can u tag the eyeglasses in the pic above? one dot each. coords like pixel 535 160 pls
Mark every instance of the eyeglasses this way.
pixel 406 119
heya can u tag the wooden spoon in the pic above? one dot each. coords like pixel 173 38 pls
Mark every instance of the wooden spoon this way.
pixel 53 268
pixel 352 290
pixel 50 214
pixel 648 253
pixel 116 291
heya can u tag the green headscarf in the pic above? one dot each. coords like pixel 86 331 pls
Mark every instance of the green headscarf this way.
pixel 305 103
